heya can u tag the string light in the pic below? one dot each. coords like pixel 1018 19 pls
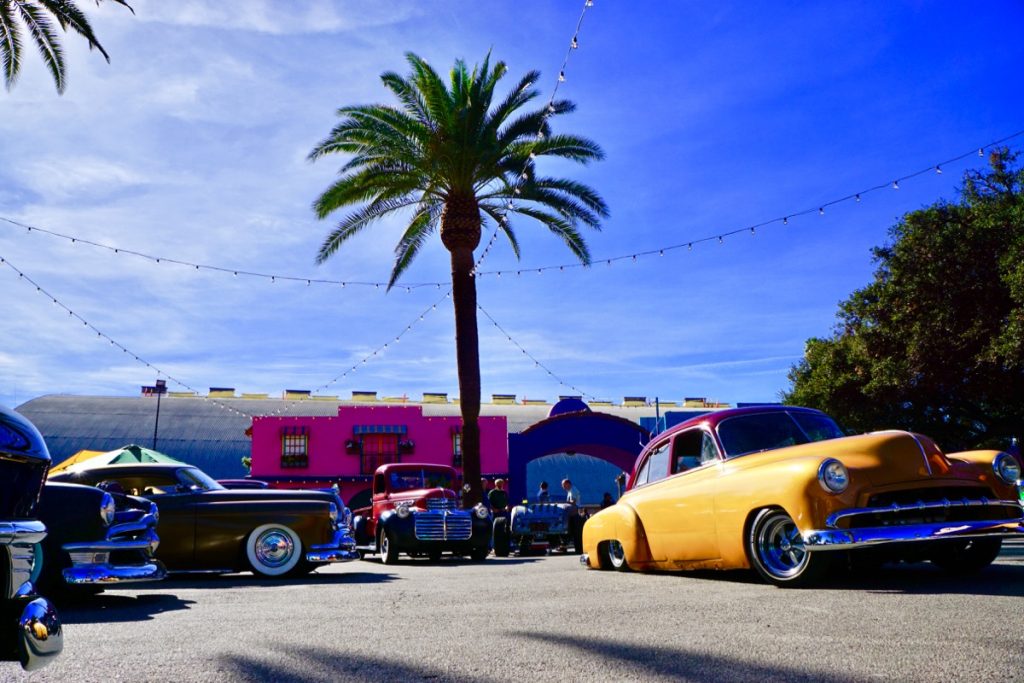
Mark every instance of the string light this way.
pixel 895 184
pixel 784 219
pixel 536 363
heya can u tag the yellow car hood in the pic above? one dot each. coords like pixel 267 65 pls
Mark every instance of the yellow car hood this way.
pixel 885 458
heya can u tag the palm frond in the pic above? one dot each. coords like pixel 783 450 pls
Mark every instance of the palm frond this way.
pixel 420 228
pixel 10 44
pixel 41 30
pixel 356 221
pixel 564 229
pixel 68 15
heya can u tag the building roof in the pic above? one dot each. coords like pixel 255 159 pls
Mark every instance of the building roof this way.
pixel 209 432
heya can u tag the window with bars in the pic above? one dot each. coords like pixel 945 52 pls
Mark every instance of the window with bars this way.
pixel 457 449
pixel 294 450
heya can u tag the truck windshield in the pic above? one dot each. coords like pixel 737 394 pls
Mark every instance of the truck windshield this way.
pixel 407 480
pixel 766 431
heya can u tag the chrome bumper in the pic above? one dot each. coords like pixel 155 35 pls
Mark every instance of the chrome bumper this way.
pixel 40 635
pixel 90 562
pixel 846 539
pixel 342 548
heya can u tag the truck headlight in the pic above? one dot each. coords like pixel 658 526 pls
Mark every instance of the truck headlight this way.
pixel 402 510
pixel 107 509
pixel 1006 468
pixel 833 476
pixel 480 511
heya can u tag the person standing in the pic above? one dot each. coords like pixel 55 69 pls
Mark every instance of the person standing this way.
pixel 498 497
pixel 543 496
pixel 572 494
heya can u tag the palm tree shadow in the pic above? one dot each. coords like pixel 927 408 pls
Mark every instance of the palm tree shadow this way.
pixel 107 608
pixel 679 663
pixel 301 665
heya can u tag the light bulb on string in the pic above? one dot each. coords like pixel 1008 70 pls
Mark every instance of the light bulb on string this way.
pixel 785 220
pixel 561 77
pixel 856 197
pixel 895 184
pixel 938 169
pixel 575 43
pixel 821 211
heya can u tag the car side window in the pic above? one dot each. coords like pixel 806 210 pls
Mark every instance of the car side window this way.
pixel 641 475
pixel 708 449
pixel 686 450
pixel 656 467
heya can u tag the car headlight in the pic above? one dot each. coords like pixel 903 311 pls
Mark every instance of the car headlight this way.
pixel 346 518
pixel 332 512
pixel 480 511
pixel 155 511
pixel 402 510
pixel 833 476
pixel 107 509
pixel 1006 468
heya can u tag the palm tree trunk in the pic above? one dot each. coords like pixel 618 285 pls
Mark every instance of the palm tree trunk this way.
pixel 467 354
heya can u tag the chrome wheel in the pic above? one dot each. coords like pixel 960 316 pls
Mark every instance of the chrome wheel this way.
pixel 777 551
pixel 616 555
pixel 273 550
pixel 388 551
pixel 781 547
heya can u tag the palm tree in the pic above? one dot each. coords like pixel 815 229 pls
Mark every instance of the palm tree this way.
pixel 37 17
pixel 449 157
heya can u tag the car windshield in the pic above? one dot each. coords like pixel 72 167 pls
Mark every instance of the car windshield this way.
pixel 406 480
pixel 198 480
pixel 767 431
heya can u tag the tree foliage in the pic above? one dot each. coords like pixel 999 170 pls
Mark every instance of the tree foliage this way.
pixel 35 20
pixel 935 343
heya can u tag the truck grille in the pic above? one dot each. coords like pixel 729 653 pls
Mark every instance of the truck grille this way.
pixel 441 504
pixel 443 526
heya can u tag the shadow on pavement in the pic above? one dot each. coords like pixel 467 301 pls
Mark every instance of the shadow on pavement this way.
pixel 106 607
pixel 315 664
pixel 202 581
pixel 682 664
pixel 919 578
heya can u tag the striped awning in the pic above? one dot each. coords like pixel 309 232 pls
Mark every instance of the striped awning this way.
pixel 379 429
pixel 295 430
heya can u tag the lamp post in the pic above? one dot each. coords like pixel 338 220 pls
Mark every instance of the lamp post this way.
pixel 159 389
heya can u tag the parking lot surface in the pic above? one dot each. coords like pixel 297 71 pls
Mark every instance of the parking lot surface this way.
pixel 547 619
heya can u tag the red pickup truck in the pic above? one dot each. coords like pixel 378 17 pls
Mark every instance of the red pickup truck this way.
pixel 417 511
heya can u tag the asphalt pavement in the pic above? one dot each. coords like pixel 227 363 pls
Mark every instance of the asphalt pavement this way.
pixel 547 619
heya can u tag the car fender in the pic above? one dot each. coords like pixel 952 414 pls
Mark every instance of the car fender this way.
pixel 617 522
pixel 790 485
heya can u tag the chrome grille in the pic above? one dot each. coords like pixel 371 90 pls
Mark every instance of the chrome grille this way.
pixel 443 526
pixel 441 504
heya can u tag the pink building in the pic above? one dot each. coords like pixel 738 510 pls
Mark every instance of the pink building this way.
pixel 318 451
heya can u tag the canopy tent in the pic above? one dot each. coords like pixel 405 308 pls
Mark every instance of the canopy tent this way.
pixel 126 454
pixel 78 457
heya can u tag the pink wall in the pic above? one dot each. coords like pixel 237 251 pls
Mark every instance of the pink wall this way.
pixel 328 458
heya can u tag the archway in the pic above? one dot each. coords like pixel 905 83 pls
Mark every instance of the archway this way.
pixel 610 438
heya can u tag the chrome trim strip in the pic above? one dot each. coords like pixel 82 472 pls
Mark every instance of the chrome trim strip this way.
pixel 149 540
pixel 585 560
pixel 846 539
pixel 86 574
pixel 920 446
pixel 147 521
pixel 27 532
pixel 833 519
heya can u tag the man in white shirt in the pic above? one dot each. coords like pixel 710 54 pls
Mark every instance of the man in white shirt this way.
pixel 572 494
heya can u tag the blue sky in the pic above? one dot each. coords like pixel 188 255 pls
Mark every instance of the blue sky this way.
pixel 191 145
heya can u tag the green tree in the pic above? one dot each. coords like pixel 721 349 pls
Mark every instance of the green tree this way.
pixel 36 19
pixel 456 162
pixel 936 342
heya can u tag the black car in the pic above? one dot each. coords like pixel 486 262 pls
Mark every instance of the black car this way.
pixel 98 536
pixel 30 629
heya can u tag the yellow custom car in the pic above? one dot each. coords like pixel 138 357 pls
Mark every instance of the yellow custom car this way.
pixel 783 490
